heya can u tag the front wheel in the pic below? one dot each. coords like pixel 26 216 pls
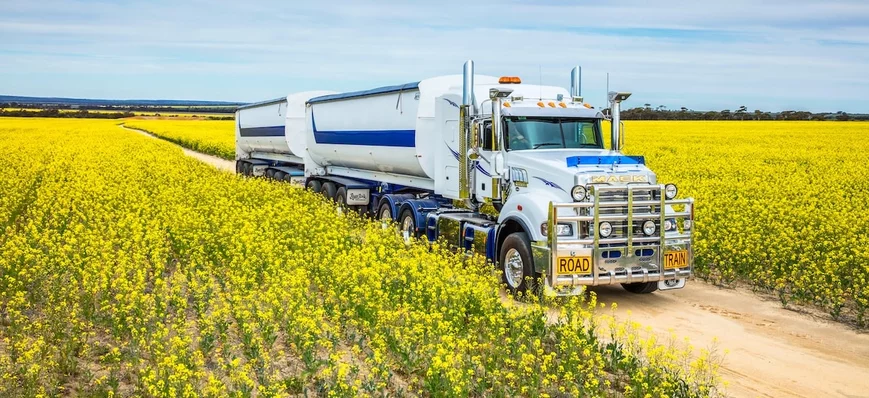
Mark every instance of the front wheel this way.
pixel 641 288
pixel 517 265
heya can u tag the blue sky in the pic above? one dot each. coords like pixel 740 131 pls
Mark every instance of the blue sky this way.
pixel 770 55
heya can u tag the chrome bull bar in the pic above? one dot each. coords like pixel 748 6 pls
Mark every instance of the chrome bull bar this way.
pixel 626 259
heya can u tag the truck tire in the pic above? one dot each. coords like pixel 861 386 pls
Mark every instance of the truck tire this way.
pixel 407 222
pixel 384 212
pixel 517 265
pixel 341 197
pixel 641 288
pixel 329 190
pixel 314 186
pixel 279 175
pixel 270 173
pixel 239 166
pixel 287 178
pixel 248 169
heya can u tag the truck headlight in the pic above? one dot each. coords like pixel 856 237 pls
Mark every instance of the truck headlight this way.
pixel 605 229
pixel 649 227
pixel 670 224
pixel 579 193
pixel 670 191
pixel 561 229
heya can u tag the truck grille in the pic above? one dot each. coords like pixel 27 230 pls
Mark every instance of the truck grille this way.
pixel 620 228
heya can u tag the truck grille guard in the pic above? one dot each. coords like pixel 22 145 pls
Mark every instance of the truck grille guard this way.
pixel 626 257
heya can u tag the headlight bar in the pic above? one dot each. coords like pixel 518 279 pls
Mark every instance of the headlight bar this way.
pixel 630 203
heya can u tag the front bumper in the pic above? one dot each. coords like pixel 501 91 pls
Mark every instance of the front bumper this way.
pixel 632 258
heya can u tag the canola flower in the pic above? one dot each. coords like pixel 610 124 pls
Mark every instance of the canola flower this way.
pixel 214 137
pixel 128 269
pixel 779 204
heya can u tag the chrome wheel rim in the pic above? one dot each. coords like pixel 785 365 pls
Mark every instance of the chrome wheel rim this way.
pixel 514 269
pixel 407 225
pixel 384 214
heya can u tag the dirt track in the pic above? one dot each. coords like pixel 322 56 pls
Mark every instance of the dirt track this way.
pixel 222 164
pixel 774 352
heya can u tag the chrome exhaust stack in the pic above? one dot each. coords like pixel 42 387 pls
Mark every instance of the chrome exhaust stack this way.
pixel 576 84
pixel 466 114
pixel 468 86
pixel 615 99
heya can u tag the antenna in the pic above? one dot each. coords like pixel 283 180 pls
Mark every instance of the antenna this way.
pixel 607 94
pixel 541 82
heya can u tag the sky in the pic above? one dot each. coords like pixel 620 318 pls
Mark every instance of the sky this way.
pixel 771 55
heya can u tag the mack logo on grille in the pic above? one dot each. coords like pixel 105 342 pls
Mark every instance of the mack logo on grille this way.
pixel 625 178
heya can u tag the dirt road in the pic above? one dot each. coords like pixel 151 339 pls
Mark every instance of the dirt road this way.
pixel 222 164
pixel 774 352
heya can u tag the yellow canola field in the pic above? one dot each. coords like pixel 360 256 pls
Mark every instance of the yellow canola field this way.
pixel 214 137
pixel 127 268
pixel 781 205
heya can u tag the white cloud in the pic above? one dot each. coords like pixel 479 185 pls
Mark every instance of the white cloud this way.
pixel 698 54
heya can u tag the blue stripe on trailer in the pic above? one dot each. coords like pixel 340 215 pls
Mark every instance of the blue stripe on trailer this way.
pixel 393 138
pixel 272 131
pixel 365 93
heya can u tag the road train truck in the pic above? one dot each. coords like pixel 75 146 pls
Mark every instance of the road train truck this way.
pixel 518 173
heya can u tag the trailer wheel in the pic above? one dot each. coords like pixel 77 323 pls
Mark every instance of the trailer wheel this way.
pixel 270 173
pixel 239 166
pixel 279 175
pixel 248 169
pixel 641 288
pixel 385 211
pixel 407 222
pixel 287 178
pixel 329 190
pixel 341 197
pixel 314 186
pixel 517 266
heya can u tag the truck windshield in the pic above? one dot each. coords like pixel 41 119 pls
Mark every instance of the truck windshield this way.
pixel 533 133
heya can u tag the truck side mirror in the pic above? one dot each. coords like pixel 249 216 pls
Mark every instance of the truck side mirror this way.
pixel 499 164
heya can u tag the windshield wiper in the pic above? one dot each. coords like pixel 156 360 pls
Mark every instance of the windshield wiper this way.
pixel 546 143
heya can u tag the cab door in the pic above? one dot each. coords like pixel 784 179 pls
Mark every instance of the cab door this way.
pixel 483 170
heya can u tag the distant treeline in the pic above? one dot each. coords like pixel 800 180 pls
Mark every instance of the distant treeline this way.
pixel 125 108
pixel 102 113
pixel 57 113
pixel 40 102
pixel 662 113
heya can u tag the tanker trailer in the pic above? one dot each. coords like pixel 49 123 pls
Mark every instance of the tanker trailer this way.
pixel 269 137
pixel 569 212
